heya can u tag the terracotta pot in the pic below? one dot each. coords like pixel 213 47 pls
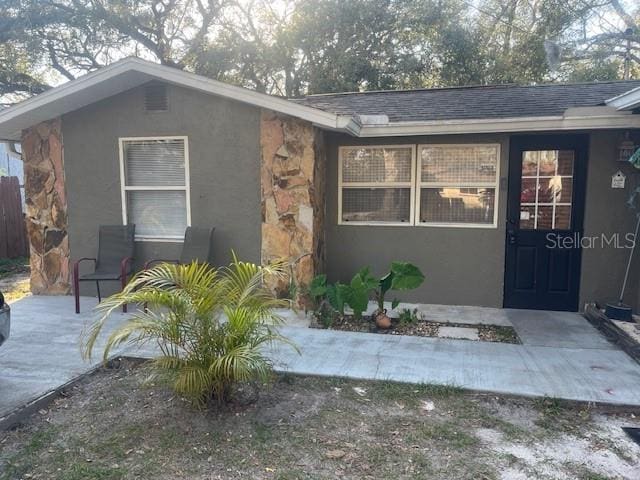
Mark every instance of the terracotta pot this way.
pixel 382 320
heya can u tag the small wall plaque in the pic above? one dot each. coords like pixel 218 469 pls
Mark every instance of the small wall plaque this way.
pixel 618 180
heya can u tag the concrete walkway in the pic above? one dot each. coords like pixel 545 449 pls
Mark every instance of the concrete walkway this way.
pixel 562 356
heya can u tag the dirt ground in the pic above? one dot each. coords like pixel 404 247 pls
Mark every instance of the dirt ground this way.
pixel 14 279
pixel 115 425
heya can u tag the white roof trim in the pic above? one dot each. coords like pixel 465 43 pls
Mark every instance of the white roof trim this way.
pixel 627 101
pixel 593 120
pixel 129 73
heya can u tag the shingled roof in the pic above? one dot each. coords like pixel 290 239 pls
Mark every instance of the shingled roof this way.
pixel 457 103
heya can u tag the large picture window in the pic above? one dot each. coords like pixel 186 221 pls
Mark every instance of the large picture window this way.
pixel 376 184
pixel 154 173
pixel 446 185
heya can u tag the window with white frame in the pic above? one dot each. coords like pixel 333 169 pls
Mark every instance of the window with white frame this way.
pixel 376 184
pixel 458 184
pixel 446 185
pixel 154 173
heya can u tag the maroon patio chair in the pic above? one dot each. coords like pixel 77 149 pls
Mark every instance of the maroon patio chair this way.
pixel 197 246
pixel 114 262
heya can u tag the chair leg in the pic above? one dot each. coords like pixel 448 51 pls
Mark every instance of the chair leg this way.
pixel 76 290
pixel 98 289
pixel 123 280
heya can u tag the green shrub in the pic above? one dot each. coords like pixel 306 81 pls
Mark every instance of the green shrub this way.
pixel 210 325
pixel 408 317
pixel 402 276
pixel 356 294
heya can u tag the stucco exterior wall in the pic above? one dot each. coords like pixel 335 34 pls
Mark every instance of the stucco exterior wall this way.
pixel 463 266
pixel 224 161
pixel 606 213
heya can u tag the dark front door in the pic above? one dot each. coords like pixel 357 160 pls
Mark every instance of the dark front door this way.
pixel 547 175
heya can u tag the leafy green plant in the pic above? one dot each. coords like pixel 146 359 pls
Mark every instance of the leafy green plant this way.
pixel 210 325
pixel 335 294
pixel 408 317
pixel 317 289
pixel 402 276
pixel 359 290
pixel 356 294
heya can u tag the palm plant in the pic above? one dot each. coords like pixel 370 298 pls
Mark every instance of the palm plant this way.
pixel 210 325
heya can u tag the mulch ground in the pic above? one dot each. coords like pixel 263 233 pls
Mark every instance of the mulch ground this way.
pixel 419 327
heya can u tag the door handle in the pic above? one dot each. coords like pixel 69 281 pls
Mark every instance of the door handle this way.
pixel 512 237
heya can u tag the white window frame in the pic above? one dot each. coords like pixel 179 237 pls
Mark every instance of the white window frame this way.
pixel 411 185
pixel 495 185
pixel 186 188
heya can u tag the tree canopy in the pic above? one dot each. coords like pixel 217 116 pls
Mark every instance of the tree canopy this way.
pixel 295 47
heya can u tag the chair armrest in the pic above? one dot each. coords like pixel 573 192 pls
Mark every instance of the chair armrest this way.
pixel 76 265
pixel 124 263
pixel 158 260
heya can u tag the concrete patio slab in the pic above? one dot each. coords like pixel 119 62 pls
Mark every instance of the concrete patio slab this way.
pixel 43 353
pixel 556 329
pixel 43 350
pixel 465 333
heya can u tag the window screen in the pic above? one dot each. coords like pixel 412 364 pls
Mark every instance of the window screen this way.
pixel 376 184
pixel 458 184
pixel 155 186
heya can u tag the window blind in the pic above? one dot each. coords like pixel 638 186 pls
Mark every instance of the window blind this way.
pixel 155 162
pixel 155 190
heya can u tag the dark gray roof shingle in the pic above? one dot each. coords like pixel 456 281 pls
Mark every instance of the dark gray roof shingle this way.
pixel 494 101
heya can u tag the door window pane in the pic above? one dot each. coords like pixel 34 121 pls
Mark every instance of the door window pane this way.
pixel 558 189
pixel 546 190
pixel 563 217
pixel 527 217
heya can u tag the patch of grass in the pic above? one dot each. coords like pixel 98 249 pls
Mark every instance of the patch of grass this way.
pixel 560 416
pixel 422 463
pixel 262 433
pixel 378 455
pixel 450 433
pixel 581 472
pixel 510 430
pixel 411 394
pixel 87 471
pixel 549 406
pixel 9 266
pixel 289 432
pixel 19 463
pixel 293 474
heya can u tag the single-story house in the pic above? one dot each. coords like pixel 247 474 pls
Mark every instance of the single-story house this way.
pixel 503 195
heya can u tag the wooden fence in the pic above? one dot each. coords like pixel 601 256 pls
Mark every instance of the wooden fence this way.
pixel 13 235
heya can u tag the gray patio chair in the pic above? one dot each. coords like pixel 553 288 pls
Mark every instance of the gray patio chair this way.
pixel 114 262
pixel 197 246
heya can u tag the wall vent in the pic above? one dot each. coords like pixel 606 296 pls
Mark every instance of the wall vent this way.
pixel 155 98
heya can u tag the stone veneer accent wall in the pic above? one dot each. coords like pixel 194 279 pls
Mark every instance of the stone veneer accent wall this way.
pixel 292 196
pixel 42 151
